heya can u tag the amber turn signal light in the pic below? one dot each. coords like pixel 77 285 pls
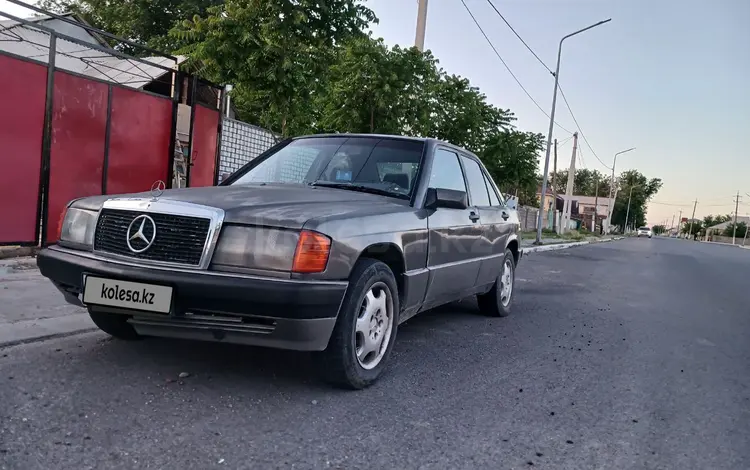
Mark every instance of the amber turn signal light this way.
pixel 60 223
pixel 312 252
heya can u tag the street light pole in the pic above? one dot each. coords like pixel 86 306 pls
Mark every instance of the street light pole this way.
pixel 551 128
pixel 627 213
pixel 612 186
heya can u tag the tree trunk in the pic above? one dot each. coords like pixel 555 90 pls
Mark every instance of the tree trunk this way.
pixel 372 119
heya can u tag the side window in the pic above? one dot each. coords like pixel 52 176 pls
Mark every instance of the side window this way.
pixel 477 186
pixel 493 195
pixel 446 171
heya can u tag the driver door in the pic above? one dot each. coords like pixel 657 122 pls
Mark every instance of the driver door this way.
pixel 451 261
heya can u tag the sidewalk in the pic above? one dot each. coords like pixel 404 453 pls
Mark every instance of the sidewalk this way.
pixel 31 308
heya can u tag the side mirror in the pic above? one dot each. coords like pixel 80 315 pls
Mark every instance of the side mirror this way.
pixel 512 203
pixel 447 198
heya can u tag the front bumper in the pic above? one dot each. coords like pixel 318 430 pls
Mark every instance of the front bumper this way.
pixel 279 313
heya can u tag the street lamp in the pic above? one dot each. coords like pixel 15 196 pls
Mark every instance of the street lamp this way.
pixel 612 183
pixel 627 213
pixel 551 128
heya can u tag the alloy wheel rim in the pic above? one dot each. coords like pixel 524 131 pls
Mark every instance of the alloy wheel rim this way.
pixel 374 323
pixel 506 283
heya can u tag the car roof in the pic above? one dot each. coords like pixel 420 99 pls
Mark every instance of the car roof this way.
pixel 426 140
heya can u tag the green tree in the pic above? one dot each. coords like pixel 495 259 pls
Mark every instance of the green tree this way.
pixel 584 182
pixel 371 88
pixel 142 21
pixel 643 189
pixel 658 229
pixel 462 116
pixel 276 53
pixel 512 159
pixel 692 229
pixel 740 233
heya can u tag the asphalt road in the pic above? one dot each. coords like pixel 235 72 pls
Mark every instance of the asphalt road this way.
pixel 631 354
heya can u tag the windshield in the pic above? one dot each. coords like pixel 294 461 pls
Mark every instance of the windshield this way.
pixel 385 165
pixel 645 229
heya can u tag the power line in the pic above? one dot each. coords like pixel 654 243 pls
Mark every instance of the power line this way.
pixel 565 99
pixel 519 37
pixel 552 73
pixel 506 65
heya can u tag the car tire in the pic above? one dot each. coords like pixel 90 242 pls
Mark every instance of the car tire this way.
pixel 115 325
pixel 372 294
pixel 497 302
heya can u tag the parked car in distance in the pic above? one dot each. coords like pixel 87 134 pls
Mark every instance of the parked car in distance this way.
pixel 645 232
pixel 324 243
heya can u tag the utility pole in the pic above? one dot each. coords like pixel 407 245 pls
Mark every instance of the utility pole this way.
pixel 565 221
pixel 671 226
pixel 596 204
pixel 690 230
pixel 679 223
pixel 736 208
pixel 554 191
pixel 421 25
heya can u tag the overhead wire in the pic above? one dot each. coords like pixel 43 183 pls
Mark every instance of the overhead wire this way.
pixel 519 37
pixel 567 105
pixel 489 41
pixel 559 87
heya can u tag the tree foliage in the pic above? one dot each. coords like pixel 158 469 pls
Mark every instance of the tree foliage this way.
pixel 741 229
pixel 512 159
pixel 694 228
pixel 659 229
pixel 142 21
pixel 584 182
pixel 277 54
pixel 643 189
pixel 711 220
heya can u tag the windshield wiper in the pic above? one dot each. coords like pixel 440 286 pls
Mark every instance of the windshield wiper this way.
pixel 359 187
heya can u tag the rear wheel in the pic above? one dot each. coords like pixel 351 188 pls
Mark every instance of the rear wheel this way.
pixel 498 300
pixel 115 325
pixel 365 330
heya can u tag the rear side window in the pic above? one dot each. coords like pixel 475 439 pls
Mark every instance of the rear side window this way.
pixel 493 195
pixel 446 171
pixel 475 180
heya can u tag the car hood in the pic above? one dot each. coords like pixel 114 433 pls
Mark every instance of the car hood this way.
pixel 281 205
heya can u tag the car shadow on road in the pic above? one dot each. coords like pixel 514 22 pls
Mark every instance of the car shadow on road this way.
pixel 166 358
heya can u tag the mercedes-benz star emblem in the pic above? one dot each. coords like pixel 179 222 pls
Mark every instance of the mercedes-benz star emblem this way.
pixel 157 189
pixel 141 234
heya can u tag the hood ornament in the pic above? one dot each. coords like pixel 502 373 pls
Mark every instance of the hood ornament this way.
pixel 157 189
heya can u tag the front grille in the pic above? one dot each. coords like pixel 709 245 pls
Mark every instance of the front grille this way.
pixel 179 239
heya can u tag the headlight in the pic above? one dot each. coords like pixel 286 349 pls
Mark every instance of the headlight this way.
pixel 78 227
pixel 255 248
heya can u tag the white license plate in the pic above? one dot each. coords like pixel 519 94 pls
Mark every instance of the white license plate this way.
pixel 125 294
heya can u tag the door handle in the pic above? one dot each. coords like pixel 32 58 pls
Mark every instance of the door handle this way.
pixel 505 216
pixel 473 216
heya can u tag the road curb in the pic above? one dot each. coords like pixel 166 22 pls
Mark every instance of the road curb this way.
pixel 563 246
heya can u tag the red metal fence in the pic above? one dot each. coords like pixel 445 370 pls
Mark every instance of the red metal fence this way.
pixel 65 136
pixel 21 123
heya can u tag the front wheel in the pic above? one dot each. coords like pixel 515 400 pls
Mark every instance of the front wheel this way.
pixel 497 301
pixel 365 329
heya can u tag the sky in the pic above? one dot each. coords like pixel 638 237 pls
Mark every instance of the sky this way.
pixel 668 77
